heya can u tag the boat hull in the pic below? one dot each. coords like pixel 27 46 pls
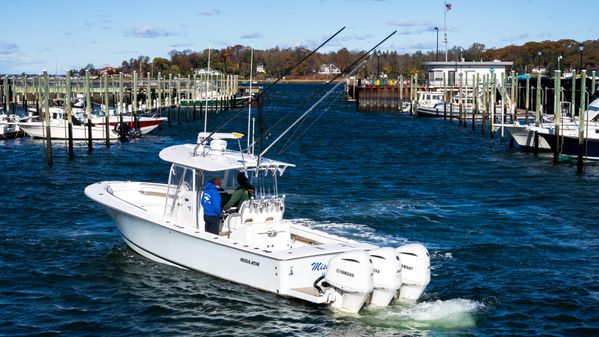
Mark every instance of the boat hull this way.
pixel 526 140
pixel 129 120
pixel 8 131
pixel 165 241
pixel 80 132
pixel 570 145
pixel 423 111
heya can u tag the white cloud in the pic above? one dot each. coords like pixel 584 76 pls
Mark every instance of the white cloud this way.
pixel 251 36
pixel 210 12
pixel 148 32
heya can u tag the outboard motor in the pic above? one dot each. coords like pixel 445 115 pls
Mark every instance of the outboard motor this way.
pixel 350 276
pixel 416 271
pixel 386 275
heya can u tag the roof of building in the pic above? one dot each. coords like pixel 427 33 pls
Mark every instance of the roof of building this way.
pixel 466 64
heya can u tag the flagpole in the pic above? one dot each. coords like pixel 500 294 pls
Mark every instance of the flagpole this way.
pixel 445 28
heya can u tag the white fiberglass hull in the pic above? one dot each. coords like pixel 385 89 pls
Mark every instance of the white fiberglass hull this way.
pixel 287 272
pixel 80 132
pixel 525 138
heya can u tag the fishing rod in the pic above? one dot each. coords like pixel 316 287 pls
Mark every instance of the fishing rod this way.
pixel 293 138
pixel 293 135
pixel 342 73
pixel 347 71
pixel 275 82
pixel 304 114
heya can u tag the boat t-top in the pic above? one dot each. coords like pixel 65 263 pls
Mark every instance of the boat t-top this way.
pixel 256 245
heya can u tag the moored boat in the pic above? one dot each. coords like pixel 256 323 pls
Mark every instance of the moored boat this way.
pixel 9 129
pixel 35 127
pixel 430 103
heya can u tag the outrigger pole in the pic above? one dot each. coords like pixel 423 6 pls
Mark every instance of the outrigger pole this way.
pixel 347 71
pixel 342 73
pixel 293 138
pixel 276 81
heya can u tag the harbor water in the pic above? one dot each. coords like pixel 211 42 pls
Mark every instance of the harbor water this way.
pixel 514 240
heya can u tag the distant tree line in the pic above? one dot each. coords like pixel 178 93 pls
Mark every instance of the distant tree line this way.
pixel 277 61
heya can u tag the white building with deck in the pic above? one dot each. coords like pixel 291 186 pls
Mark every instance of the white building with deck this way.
pixel 456 71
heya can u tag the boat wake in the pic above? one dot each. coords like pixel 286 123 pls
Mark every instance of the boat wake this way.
pixel 436 315
pixel 354 231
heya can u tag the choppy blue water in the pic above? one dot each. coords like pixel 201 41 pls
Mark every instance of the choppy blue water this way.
pixel 514 239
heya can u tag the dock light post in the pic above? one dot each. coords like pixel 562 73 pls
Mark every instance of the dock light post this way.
pixel 378 64
pixel 539 53
pixel 437 54
pixel 580 48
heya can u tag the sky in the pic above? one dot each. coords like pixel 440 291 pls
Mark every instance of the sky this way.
pixel 63 34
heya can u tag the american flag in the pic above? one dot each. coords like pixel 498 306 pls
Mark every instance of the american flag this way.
pixel 447 6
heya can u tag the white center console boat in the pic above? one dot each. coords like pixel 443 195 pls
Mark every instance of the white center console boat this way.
pixel 256 246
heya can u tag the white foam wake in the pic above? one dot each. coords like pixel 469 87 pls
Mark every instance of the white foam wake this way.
pixel 435 315
pixel 354 231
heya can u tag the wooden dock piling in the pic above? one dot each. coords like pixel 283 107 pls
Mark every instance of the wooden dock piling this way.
pixel 475 100
pixel 178 79
pixel 581 127
pixel 69 111
pixel 170 99
pixel 106 110
pixel 558 115
pixel 148 84
pixel 88 110
pixel 493 99
pixel 47 119
pixel 5 96
pixel 537 114
pixel 122 136
pixel 134 107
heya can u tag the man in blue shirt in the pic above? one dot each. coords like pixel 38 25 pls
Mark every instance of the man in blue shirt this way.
pixel 211 204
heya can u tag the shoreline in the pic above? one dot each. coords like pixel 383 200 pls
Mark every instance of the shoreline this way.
pixel 291 81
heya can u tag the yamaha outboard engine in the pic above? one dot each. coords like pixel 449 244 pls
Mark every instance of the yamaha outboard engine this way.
pixel 386 275
pixel 416 271
pixel 350 276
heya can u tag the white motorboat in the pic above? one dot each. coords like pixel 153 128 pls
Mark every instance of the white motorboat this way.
pixel 9 128
pixel 525 138
pixel 256 246
pixel 142 121
pixel 523 134
pixel 36 128
pixel 430 103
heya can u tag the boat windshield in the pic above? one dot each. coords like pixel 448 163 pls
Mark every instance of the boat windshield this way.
pixel 183 184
